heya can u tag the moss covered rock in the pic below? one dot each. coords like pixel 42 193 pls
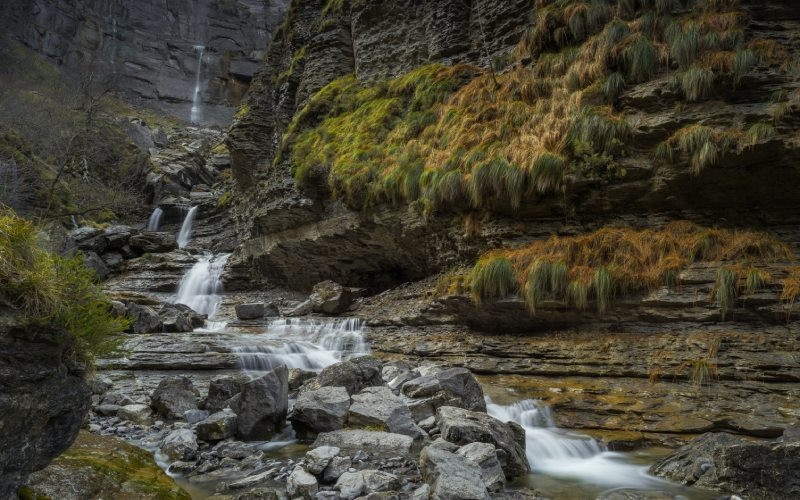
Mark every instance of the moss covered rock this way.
pixel 103 467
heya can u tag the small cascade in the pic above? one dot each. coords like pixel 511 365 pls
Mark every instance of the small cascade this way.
pixel 308 344
pixel 74 222
pixel 185 234
pixel 201 287
pixel 559 453
pixel 154 223
pixel 196 101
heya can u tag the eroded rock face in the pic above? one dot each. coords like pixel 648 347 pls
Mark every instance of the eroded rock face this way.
pixel 234 36
pixel 43 399
pixel 732 464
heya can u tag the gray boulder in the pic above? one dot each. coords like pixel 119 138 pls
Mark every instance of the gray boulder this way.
pixel 262 405
pixel 301 484
pixel 180 444
pixel 136 413
pixel 336 467
pixel 484 455
pixel 173 320
pixel 174 396
pixel 151 242
pixel 463 427
pixel 329 297
pixel 221 389
pixel 144 319
pixel 250 311
pixel 321 410
pixel 379 443
pixel 302 309
pixel 355 484
pixel 96 264
pixel 354 374
pixel 735 465
pixel 298 376
pixel 451 387
pixel 379 407
pixel 194 416
pixel 216 427
pixel 319 458
pixel 117 236
pixel 450 476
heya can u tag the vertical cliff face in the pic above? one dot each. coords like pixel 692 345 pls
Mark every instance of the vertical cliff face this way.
pixel 152 49
pixel 43 399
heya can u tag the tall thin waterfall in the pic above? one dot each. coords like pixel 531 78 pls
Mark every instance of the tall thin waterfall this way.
pixel 560 453
pixel 114 45
pixel 201 287
pixel 302 343
pixel 185 234
pixel 155 219
pixel 196 101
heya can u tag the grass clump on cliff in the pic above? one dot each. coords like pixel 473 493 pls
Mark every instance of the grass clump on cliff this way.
pixel 618 261
pixel 54 290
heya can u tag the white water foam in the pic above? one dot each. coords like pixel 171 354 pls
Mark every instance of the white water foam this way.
pixel 201 287
pixel 567 455
pixel 185 234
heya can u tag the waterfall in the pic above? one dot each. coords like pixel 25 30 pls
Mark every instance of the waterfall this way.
pixel 196 102
pixel 114 46
pixel 201 287
pixel 155 219
pixel 568 455
pixel 74 222
pixel 185 234
pixel 302 343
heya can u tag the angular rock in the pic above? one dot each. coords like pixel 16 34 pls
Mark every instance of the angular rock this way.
pixel 354 374
pixel 319 458
pixel 297 376
pixel 262 405
pixel 484 455
pixel 354 484
pixel 100 385
pixel 301 484
pixel 379 407
pixel 137 413
pixel 216 427
pixel 329 297
pixel 174 396
pixel 194 416
pixel 336 467
pixel 106 410
pixel 450 476
pixel 174 320
pixel 118 236
pixel 151 242
pixel 321 410
pixel 354 440
pixel 450 387
pixel 463 427
pixel 250 311
pixel 732 464
pixel 96 264
pixel 180 444
pixel 221 389
pixel 144 319
pixel 302 309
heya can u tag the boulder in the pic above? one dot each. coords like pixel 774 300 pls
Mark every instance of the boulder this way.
pixel 136 413
pixel 106 410
pixel 152 242
pixel 353 375
pixel 302 309
pixel 451 476
pixel 221 389
pixel 298 376
pixel 336 467
pixel 319 458
pixel 320 410
pixel 117 236
pixel 100 385
pixel 250 311
pixel 355 440
pixel 216 427
pixel 329 297
pixel 174 320
pixel 484 455
pixel 262 405
pixel 735 465
pixel 113 259
pixel 379 407
pixel 174 396
pixel 96 264
pixel 451 387
pixel 301 484
pixel 144 319
pixel 271 310
pixel 355 484
pixel 463 427
pixel 179 444
pixel 194 416
pixel 117 398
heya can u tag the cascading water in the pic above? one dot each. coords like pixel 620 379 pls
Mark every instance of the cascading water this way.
pixel 154 223
pixel 196 102
pixel 566 455
pixel 201 287
pixel 185 234
pixel 308 344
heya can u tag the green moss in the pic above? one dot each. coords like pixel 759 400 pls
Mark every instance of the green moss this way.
pixel 241 113
pixel 53 290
